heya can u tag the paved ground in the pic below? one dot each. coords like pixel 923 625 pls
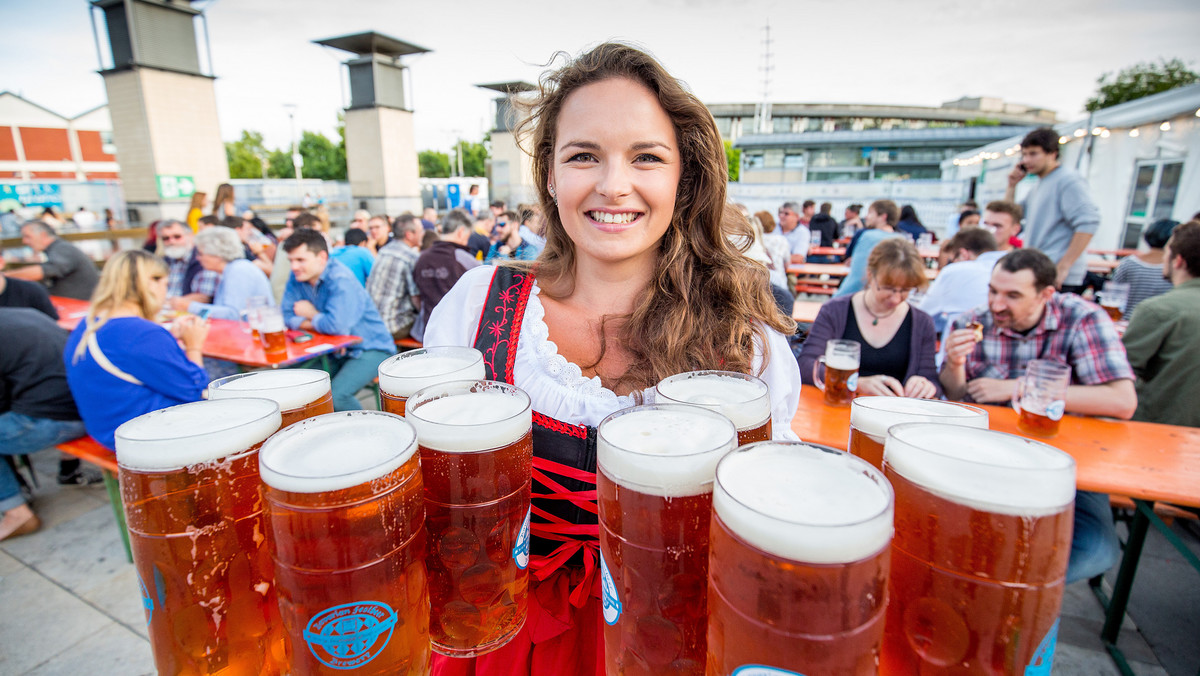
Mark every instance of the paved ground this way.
pixel 71 603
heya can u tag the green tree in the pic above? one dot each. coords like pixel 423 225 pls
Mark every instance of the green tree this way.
pixel 982 122
pixel 1138 80
pixel 733 157
pixel 280 164
pixel 322 158
pixel 245 155
pixel 433 164
pixel 474 158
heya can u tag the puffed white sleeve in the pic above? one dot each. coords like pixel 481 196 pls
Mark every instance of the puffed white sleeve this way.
pixel 456 318
pixel 782 376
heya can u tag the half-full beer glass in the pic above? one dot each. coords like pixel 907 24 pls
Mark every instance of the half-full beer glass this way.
pixel 345 514
pixel 189 481
pixel 402 375
pixel 742 398
pixel 870 418
pixel 476 445
pixel 1114 298
pixel 272 333
pixel 1041 397
pixel 798 562
pixel 300 393
pixel 656 465
pixel 840 363
pixel 983 534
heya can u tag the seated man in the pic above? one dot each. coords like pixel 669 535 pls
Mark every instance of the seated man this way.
pixel 1025 319
pixel 67 272
pixel 186 278
pixel 20 293
pixel 1003 220
pixel 323 296
pixel 440 266
pixel 1164 334
pixel 391 283
pixel 963 284
pixel 355 254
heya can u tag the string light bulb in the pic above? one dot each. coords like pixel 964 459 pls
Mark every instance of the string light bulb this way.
pixel 1134 133
pixel 1165 126
pixel 1080 133
pixel 1063 140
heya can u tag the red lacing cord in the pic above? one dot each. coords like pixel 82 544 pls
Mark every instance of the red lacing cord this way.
pixel 577 431
pixel 568 534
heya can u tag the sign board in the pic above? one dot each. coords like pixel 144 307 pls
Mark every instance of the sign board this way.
pixel 33 194
pixel 175 187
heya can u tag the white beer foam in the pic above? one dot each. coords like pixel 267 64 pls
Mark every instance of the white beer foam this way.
pixel 336 451
pixel 986 470
pixel 189 434
pixel 407 372
pixel 841 362
pixel 874 415
pixel 290 388
pixel 669 451
pixel 469 422
pixel 804 503
pixel 745 402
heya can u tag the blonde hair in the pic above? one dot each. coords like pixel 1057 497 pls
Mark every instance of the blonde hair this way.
pixel 125 279
pixel 897 258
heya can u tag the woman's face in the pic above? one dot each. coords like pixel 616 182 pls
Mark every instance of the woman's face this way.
pixel 886 294
pixel 156 285
pixel 615 171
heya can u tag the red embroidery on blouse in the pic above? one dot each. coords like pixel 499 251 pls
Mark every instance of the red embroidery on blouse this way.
pixel 577 431
pixel 499 328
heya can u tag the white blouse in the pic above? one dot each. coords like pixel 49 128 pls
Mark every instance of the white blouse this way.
pixel 557 387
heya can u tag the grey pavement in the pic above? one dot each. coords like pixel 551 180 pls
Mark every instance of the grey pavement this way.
pixel 71 603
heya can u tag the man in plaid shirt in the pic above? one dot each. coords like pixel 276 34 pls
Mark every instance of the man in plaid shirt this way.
pixel 1026 319
pixel 391 283
pixel 185 277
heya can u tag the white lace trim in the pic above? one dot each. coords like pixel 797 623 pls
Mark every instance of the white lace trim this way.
pixel 553 364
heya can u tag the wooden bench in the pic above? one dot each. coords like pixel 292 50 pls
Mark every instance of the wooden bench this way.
pixel 1164 511
pixel 89 450
pixel 409 343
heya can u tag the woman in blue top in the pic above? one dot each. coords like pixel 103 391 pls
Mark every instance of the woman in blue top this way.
pixel 120 363
pixel 220 250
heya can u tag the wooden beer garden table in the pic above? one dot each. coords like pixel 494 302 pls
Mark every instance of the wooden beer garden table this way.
pixel 229 340
pixel 1146 462
pixel 805 311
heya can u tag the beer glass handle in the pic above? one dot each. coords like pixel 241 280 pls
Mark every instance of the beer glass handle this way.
pixel 819 381
pixel 1018 394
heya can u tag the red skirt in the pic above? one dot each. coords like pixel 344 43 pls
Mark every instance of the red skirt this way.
pixel 558 639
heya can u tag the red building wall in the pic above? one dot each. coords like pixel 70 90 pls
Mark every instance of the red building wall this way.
pixel 92 147
pixel 8 149
pixel 43 144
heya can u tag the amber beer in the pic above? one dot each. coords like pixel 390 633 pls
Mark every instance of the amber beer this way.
pixel 983 534
pixel 798 562
pixel 189 481
pixel 402 375
pixel 345 515
pixel 476 444
pixel 1113 299
pixel 841 361
pixel 1114 311
pixel 656 465
pixel 300 393
pixel 1040 397
pixel 272 333
pixel 742 398
pixel 870 418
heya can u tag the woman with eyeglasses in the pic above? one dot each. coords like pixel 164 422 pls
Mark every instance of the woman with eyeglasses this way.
pixel 897 340
pixel 120 362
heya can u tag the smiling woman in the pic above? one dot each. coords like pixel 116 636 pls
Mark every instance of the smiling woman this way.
pixel 637 282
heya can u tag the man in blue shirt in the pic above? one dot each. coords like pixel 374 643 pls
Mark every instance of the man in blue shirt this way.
pixel 323 295
pixel 355 255
pixel 963 284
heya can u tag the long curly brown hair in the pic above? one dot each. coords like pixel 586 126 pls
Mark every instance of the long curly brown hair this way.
pixel 708 305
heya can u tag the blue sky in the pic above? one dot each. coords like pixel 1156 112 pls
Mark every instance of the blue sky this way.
pixel 920 52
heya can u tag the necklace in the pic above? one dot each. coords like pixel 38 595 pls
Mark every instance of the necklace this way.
pixel 875 321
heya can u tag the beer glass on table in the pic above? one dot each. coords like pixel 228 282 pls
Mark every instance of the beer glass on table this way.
pixel 798 562
pixel 253 305
pixel 189 481
pixel 1113 298
pixel 272 333
pixel 655 467
pixel 840 363
pixel 742 398
pixel 345 517
pixel 476 446
pixel 402 375
pixel 870 418
pixel 300 393
pixel 983 534
pixel 1040 398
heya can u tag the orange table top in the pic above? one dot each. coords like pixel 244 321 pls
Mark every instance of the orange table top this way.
pixel 805 311
pixel 70 311
pixel 1112 252
pixel 1135 459
pixel 834 270
pixel 826 251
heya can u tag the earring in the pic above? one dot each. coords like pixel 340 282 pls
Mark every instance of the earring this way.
pixel 553 195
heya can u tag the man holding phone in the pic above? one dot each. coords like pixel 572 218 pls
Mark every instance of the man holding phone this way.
pixel 1060 216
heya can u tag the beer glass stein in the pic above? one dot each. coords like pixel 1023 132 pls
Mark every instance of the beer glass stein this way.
pixel 476 446
pixel 1114 298
pixel 742 398
pixel 983 534
pixel 1040 398
pixel 655 467
pixel 840 363
pixel 870 418
pixel 345 517
pixel 402 375
pixel 189 481
pixel 272 333
pixel 300 393
pixel 798 562
pixel 253 319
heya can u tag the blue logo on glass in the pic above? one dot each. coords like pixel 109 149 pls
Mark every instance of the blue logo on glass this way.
pixel 1055 409
pixel 147 598
pixel 608 591
pixel 521 549
pixel 1043 659
pixel 350 635
pixel 852 382
pixel 760 670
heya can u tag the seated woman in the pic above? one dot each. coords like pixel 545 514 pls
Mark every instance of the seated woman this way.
pixel 1143 271
pixel 637 282
pixel 220 250
pixel 120 363
pixel 898 341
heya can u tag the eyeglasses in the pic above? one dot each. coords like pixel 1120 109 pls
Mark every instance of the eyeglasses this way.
pixel 894 290
pixel 172 238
